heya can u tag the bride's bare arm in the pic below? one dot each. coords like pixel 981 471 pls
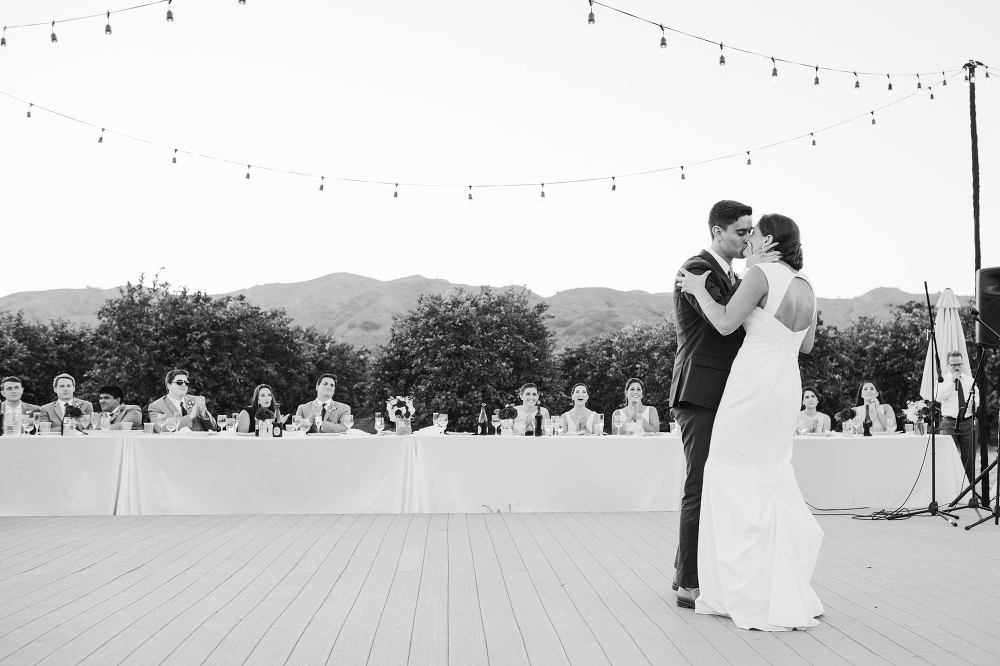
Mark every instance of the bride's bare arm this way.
pixel 727 318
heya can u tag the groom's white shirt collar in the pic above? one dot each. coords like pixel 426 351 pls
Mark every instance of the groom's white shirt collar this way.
pixel 726 267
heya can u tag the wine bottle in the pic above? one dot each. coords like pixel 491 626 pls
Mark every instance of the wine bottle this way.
pixel 867 423
pixel 483 421
pixel 538 421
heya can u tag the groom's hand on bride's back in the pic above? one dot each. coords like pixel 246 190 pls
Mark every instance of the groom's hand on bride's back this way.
pixel 765 255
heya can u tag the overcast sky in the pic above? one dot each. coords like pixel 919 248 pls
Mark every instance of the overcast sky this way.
pixel 488 92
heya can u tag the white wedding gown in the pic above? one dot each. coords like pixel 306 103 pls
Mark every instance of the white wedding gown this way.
pixel 758 542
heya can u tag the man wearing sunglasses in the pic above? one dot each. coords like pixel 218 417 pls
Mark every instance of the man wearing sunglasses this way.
pixel 959 398
pixel 190 408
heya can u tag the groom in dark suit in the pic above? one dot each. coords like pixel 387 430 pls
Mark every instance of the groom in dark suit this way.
pixel 701 368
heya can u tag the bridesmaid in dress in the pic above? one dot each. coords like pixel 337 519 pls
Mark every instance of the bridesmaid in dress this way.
pixel 637 417
pixel 529 405
pixel 868 407
pixel 579 419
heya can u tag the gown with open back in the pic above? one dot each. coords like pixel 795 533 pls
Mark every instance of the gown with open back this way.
pixel 758 542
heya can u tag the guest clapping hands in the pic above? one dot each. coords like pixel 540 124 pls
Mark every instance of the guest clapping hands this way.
pixel 579 419
pixel 636 417
pixel 811 420
pixel 869 408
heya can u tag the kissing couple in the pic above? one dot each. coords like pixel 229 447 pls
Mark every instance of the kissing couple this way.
pixel 747 543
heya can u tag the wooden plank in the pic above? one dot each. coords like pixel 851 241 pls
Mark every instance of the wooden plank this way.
pixel 466 635
pixel 429 639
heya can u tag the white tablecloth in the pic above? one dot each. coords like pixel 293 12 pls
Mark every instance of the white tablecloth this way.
pixel 462 473
pixel 219 474
pixel 59 476
pixel 879 472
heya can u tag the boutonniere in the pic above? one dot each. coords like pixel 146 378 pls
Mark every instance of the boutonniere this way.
pixel 115 412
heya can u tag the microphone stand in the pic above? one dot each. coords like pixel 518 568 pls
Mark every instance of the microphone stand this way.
pixel 932 508
pixel 995 514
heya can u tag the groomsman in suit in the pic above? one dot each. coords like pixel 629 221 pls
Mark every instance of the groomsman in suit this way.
pixel 12 390
pixel 701 367
pixel 190 408
pixel 122 416
pixel 53 412
pixel 959 397
pixel 329 410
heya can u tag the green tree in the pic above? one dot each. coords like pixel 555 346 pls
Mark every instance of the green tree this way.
pixel 456 350
pixel 36 353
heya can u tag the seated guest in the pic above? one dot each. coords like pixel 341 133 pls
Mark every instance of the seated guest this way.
pixel 189 408
pixel 811 420
pixel 636 417
pixel 12 390
pixel 263 397
pixel 957 405
pixel 53 412
pixel 122 416
pixel 525 419
pixel 579 419
pixel 870 409
pixel 329 410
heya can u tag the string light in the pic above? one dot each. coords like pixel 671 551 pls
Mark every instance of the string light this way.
pixel 663 40
pixel 592 20
pixel 395 193
pixel 55 40
pixel 722 60
pixel 816 80
pixel 986 73
pixel 683 177
pixel 248 173
pixel 107 28
pixel 470 189
pixel 944 83
pixel 814 140
pixel 972 75
pixel 241 5
pixel 3 41
pixel 170 15
pixel 175 157
pixel 920 87
pixel 614 188
pixel 28 120
pixel 321 179
pixel 774 72
pixel 543 192
pixel 748 160
pixel 888 91
pixel 873 120
pixel 100 139
pixel 932 96
pixel 966 79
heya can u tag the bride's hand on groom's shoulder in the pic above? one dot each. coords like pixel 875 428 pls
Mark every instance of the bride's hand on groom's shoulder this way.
pixel 692 283
pixel 765 255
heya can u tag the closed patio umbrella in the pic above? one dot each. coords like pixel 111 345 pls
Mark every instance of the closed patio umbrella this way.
pixel 950 337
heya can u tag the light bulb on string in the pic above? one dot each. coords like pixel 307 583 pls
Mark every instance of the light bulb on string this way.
pixel 170 15
pixel 722 60
pixel 920 86
pixel 683 177
pixel 592 20
pixel 614 188
pixel 932 96
pixel 395 193
pixel 241 5
pixel 3 41
pixel 967 79
pixel 816 80
pixel 944 83
pixel 888 90
pixel 986 74
pixel 543 192
pixel 663 40
pixel 107 28
pixel 54 40
pixel 774 72
pixel 248 174
pixel 100 139
pixel 873 120
pixel 321 179
pixel 813 140
pixel 748 160
pixel 470 195
pixel 28 118
pixel 857 84
pixel 174 161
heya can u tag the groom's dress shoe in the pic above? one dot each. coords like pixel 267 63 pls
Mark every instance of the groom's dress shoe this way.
pixel 686 596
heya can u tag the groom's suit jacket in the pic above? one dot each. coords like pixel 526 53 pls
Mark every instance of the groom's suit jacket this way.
pixel 704 356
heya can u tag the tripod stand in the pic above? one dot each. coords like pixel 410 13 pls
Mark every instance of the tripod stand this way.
pixel 932 508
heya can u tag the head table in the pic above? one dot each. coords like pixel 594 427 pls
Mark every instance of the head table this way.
pixel 109 473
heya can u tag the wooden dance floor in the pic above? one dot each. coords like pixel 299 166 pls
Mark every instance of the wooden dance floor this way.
pixel 511 588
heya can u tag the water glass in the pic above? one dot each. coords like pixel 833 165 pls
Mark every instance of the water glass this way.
pixel 231 423
pixel 95 420
pixel 147 428
pixel 28 424
pixel 172 423
pixel 559 426
pixel 296 423
pixel 909 428
pixel 599 424
pixel 318 420
pixel 221 420
pixel 347 420
pixel 442 421
pixel 44 427
pixel 379 423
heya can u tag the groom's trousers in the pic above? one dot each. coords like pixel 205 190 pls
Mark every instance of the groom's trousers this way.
pixel 696 434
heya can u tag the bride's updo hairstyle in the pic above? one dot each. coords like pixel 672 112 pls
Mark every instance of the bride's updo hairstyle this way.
pixel 785 233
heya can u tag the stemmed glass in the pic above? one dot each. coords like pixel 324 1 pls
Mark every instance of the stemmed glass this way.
pixel 28 423
pixel 318 420
pixel 558 423
pixel 348 420
pixel 599 424
pixel 618 420
pixel 161 420
pixel 379 423
pixel 221 420
pixel 442 421
pixel 495 422
pixel 172 424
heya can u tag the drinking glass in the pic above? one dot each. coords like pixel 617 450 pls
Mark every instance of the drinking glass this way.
pixel 599 424
pixel 442 421
pixel 105 421
pixel 296 422
pixel 379 423
pixel 318 420
pixel 161 420
pixel 618 420
pixel 172 424
pixel 28 424
pixel 495 421
pixel 348 420
pixel 559 426
pixel 548 428
pixel 16 421
pixel 95 420
pixel 221 420
pixel 231 423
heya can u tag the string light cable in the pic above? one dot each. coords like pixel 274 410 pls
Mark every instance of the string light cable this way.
pixel 174 151
pixel 106 15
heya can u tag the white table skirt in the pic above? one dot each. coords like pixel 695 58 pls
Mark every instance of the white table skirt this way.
pixel 463 474
pixel 60 476
pixel 879 472
pixel 221 474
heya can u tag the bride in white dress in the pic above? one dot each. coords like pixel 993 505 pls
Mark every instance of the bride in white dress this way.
pixel 758 542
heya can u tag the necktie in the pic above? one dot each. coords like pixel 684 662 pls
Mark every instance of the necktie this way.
pixel 184 411
pixel 961 398
pixel 322 415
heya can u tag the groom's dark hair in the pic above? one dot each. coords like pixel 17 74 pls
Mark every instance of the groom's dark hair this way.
pixel 726 212
pixel 785 233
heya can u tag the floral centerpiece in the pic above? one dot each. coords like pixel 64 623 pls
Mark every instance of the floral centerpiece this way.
pixel 400 410
pixel 264 418
pixel 72 418
pixel 507 416
pixel 846 418
pixel 917 412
